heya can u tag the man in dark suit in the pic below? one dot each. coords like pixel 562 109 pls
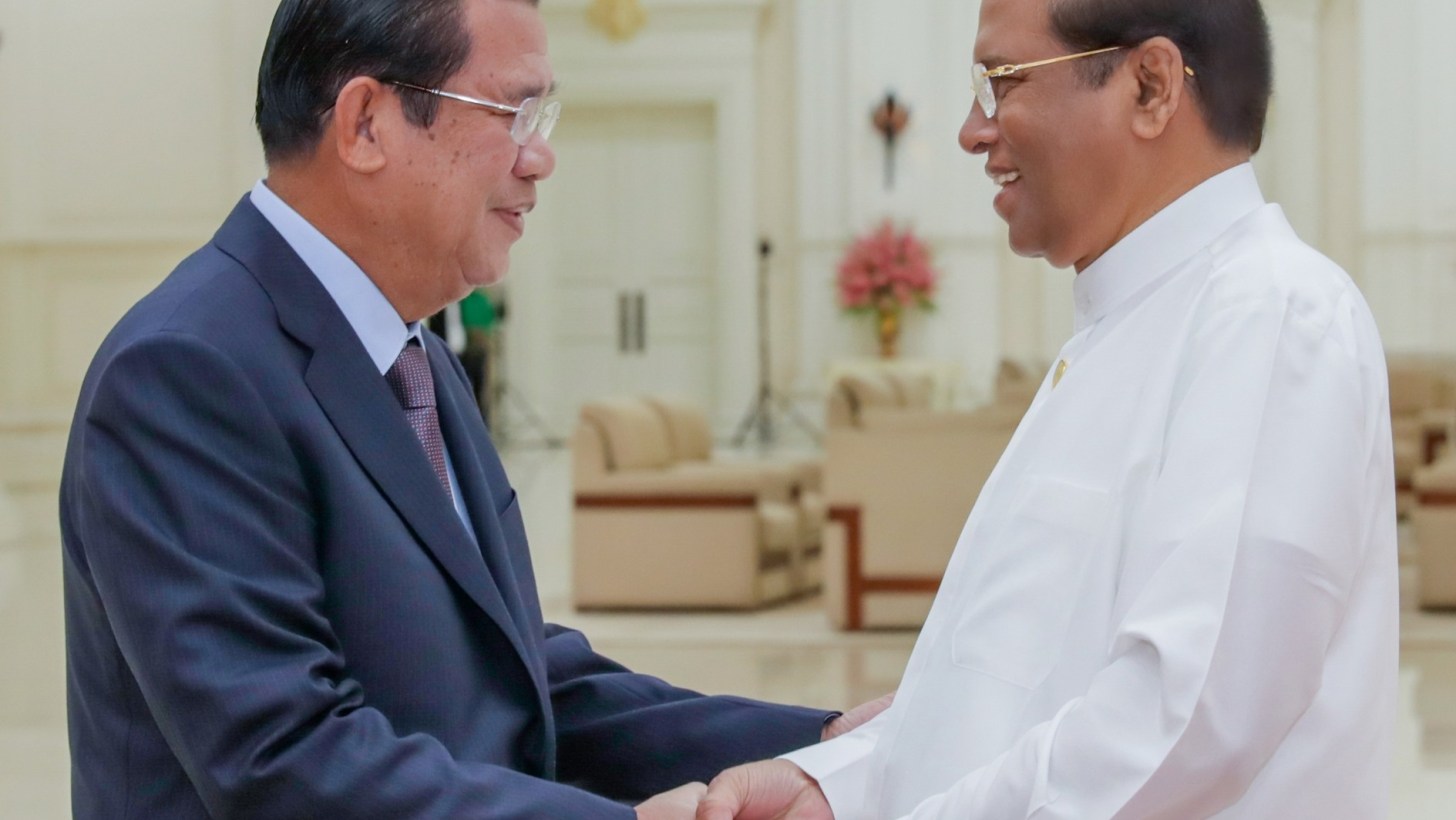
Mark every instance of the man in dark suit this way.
pixel 296 577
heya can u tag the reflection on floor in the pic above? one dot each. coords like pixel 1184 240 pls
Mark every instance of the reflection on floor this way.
pixel 785 654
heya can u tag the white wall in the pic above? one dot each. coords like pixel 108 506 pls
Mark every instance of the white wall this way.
pixel 1407 246
pixel 125 136
pixel 1370 184
pixel 694 53
pixel 849 56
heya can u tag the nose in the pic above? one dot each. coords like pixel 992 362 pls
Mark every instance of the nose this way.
pixel 978 132
pixel 535 160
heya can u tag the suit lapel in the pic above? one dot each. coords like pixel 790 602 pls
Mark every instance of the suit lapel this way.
pixel 464 438
pixel 364 411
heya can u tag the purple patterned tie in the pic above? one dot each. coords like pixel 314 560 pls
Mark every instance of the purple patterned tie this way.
pixel 413 386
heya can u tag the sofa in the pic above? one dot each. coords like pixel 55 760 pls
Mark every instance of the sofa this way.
pixel 900 480
pixel 658 522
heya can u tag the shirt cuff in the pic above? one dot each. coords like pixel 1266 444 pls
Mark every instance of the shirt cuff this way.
pixel 838 766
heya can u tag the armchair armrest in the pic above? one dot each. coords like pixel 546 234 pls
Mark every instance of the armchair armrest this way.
pixel 688 485
pixel 1437 482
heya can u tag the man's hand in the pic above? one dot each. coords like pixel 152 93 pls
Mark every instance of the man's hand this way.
pixel 767 790
pixel 857 717
pixel 679 804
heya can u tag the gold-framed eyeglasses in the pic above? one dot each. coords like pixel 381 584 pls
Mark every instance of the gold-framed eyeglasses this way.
pixel 981 76
pixel 535 115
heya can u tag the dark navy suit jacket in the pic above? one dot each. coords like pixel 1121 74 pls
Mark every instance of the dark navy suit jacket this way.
pixel 272 609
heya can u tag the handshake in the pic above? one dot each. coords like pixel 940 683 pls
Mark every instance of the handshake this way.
pixel 766 790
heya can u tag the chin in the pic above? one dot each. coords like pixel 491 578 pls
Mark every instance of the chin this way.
pixel 1039 248
pixel 487 273
pixel 494 277
pixel 1022 247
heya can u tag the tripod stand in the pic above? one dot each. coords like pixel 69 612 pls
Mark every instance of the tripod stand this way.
pixel 766 400
pixel 503 393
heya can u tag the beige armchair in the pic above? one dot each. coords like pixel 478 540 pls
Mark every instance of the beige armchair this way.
pixel 1433 522
pixel 1422 406
pixel 651 532
pixel 900 481
pixel 855 393
pixel 691 439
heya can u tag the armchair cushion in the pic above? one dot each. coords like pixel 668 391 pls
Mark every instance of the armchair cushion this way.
pixel 634 436
pixel 687 427
pixel 914 389
pixel 856 392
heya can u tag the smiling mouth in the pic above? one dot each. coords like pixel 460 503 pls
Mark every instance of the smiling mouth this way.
pixel 515 218
pixel 1002 180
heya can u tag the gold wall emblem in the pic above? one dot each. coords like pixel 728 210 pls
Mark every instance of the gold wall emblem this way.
pixel 620 19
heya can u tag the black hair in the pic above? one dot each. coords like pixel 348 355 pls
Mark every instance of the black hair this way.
pixel 315 47
pixel 1225 42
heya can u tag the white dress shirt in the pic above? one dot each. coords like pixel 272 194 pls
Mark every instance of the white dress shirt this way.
pixel 374 320
pixel 1176 596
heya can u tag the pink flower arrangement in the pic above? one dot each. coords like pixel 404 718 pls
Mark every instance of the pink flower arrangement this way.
pixel 886 270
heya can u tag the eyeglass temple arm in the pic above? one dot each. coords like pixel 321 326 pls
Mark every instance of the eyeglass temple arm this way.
pixel 501 107
pixel 1002 71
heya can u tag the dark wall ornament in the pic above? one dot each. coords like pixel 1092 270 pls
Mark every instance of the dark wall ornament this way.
pixel 890 119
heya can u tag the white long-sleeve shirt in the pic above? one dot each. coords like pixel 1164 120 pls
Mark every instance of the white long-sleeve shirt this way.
pixel 1176 596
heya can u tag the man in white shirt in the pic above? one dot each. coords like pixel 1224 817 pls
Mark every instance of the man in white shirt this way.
pixel 1176 595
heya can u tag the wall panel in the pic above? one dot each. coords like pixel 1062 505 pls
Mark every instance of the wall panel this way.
pixel 59 302
pixel 1408 201
pixel 122 103
pixel 125 137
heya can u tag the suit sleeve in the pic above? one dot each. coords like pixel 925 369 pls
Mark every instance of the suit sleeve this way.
pixel 629 736
pixel 198 533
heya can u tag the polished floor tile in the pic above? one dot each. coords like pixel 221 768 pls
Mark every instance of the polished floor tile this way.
pixel 786 654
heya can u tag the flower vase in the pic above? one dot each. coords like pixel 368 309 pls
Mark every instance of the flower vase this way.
pixel 887 323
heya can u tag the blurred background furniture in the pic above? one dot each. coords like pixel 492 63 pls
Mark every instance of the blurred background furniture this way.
pixel 1433 523
pixel 941 382
pixel 900 480
pixel 660 523
pixel 691 440
pixel 1422 404
pixel 10 529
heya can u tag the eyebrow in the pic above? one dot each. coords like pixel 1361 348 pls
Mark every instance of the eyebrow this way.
pixel 995 61
pixel 521 92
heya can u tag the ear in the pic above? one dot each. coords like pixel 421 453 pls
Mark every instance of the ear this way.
pixel 1158 69
pixel 357 123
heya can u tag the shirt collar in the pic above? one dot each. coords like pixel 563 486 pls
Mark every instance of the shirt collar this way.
pixel 374 319
pixel 1171 236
